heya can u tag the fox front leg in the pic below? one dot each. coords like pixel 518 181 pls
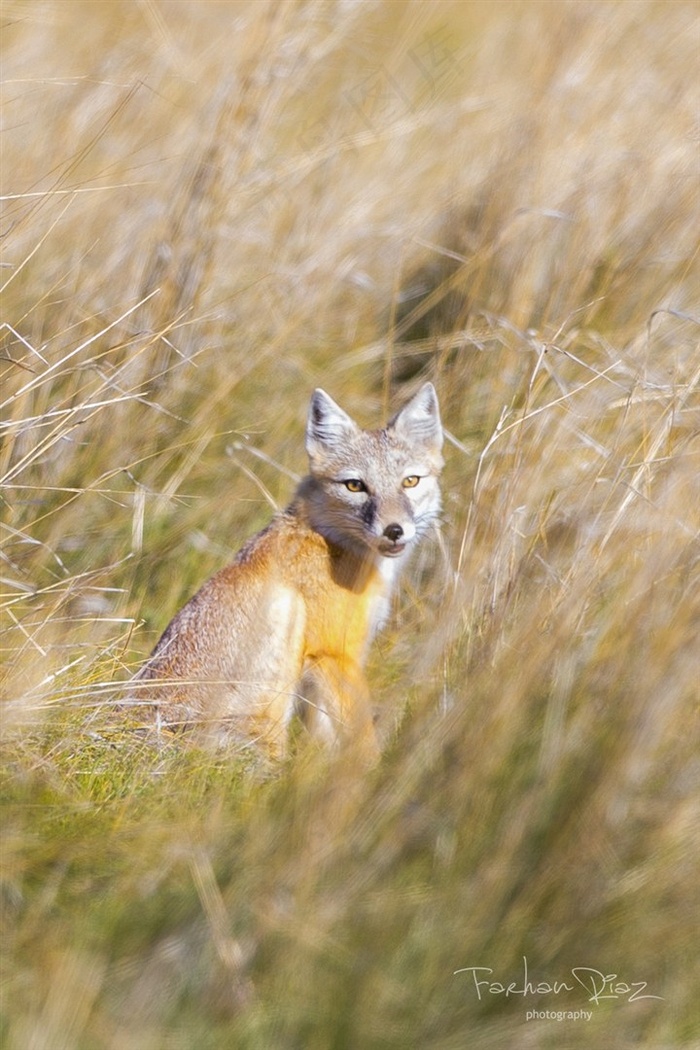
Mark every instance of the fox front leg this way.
pixel 337 707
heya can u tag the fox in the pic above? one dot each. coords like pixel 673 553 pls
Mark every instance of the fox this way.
pixel 284 629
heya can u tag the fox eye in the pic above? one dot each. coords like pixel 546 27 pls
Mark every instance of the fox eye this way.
pixel 355 485
pixel 411 481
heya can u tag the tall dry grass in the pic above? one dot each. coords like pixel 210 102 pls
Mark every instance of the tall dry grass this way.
pixel 209 209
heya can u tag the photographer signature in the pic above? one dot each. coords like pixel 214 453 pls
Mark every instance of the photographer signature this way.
pixel 599 985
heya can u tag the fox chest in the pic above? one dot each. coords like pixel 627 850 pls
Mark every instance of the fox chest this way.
pixel 342 621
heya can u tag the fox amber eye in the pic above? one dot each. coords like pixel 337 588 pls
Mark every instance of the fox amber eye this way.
pixel 411 481
pixel 354 485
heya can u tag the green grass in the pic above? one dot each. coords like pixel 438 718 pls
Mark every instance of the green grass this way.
pixel 209 209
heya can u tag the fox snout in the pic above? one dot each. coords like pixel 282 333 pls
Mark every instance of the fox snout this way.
pixel 388 522
pixel 395 538
pixel 393 532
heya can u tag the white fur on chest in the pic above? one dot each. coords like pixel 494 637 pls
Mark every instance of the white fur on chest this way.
pixel 388 570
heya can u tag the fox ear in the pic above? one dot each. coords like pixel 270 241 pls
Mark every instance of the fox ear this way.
pixel 419 420
pixel 327 426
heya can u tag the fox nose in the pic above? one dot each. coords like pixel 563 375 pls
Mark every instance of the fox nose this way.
pixel 393 532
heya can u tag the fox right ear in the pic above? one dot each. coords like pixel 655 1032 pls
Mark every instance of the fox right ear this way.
pixel 327 424
pixel 419 420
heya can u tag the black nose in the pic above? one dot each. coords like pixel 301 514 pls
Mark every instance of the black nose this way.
pixel 393 532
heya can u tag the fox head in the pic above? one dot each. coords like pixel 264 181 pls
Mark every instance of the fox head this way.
pixel 375 489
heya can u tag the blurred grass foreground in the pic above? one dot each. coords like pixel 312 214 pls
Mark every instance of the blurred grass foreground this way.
pixel 209 209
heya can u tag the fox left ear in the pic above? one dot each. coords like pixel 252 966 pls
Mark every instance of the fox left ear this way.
pixel 419 420
pixel 327 426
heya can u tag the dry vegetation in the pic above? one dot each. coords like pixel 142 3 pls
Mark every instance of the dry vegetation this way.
pixel 210 208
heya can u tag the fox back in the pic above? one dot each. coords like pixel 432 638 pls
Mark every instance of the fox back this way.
pixel 284 629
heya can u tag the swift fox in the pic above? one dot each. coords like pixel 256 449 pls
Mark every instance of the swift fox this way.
pixel 284 629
